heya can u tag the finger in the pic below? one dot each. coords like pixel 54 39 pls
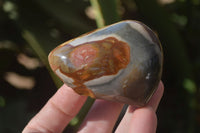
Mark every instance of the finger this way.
pixel 125 122
pixel 102 117
pixel 155 99
pixel 144 120
pixel 153 103
pixel 57 112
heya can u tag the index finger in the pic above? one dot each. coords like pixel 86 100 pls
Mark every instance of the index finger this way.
pixel 57 112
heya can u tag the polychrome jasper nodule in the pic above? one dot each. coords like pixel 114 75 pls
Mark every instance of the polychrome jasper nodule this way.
pixel 121 62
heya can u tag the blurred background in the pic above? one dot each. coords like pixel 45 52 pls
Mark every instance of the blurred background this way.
pixel 30 29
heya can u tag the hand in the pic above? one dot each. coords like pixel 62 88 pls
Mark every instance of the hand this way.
pixel 65 104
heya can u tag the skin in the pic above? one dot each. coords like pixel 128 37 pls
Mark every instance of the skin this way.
pixel 65 104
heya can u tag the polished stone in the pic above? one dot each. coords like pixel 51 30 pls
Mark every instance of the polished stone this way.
pixel 121 62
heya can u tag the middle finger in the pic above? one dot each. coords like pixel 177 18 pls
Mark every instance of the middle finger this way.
pixel 102 117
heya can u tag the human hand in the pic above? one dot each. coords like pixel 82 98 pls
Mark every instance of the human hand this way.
pixel 65 104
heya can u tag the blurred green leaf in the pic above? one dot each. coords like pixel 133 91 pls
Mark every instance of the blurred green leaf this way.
pixel 74 121
pixel 179 19
pixel 190 86
pixel 106 11
pixel 2 101
pixel 70 14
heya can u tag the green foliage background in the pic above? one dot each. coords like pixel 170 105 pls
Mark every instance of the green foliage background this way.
pixel 35 27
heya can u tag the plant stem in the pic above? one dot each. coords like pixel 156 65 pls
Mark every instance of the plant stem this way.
pixel 105 11
pixel 41 53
